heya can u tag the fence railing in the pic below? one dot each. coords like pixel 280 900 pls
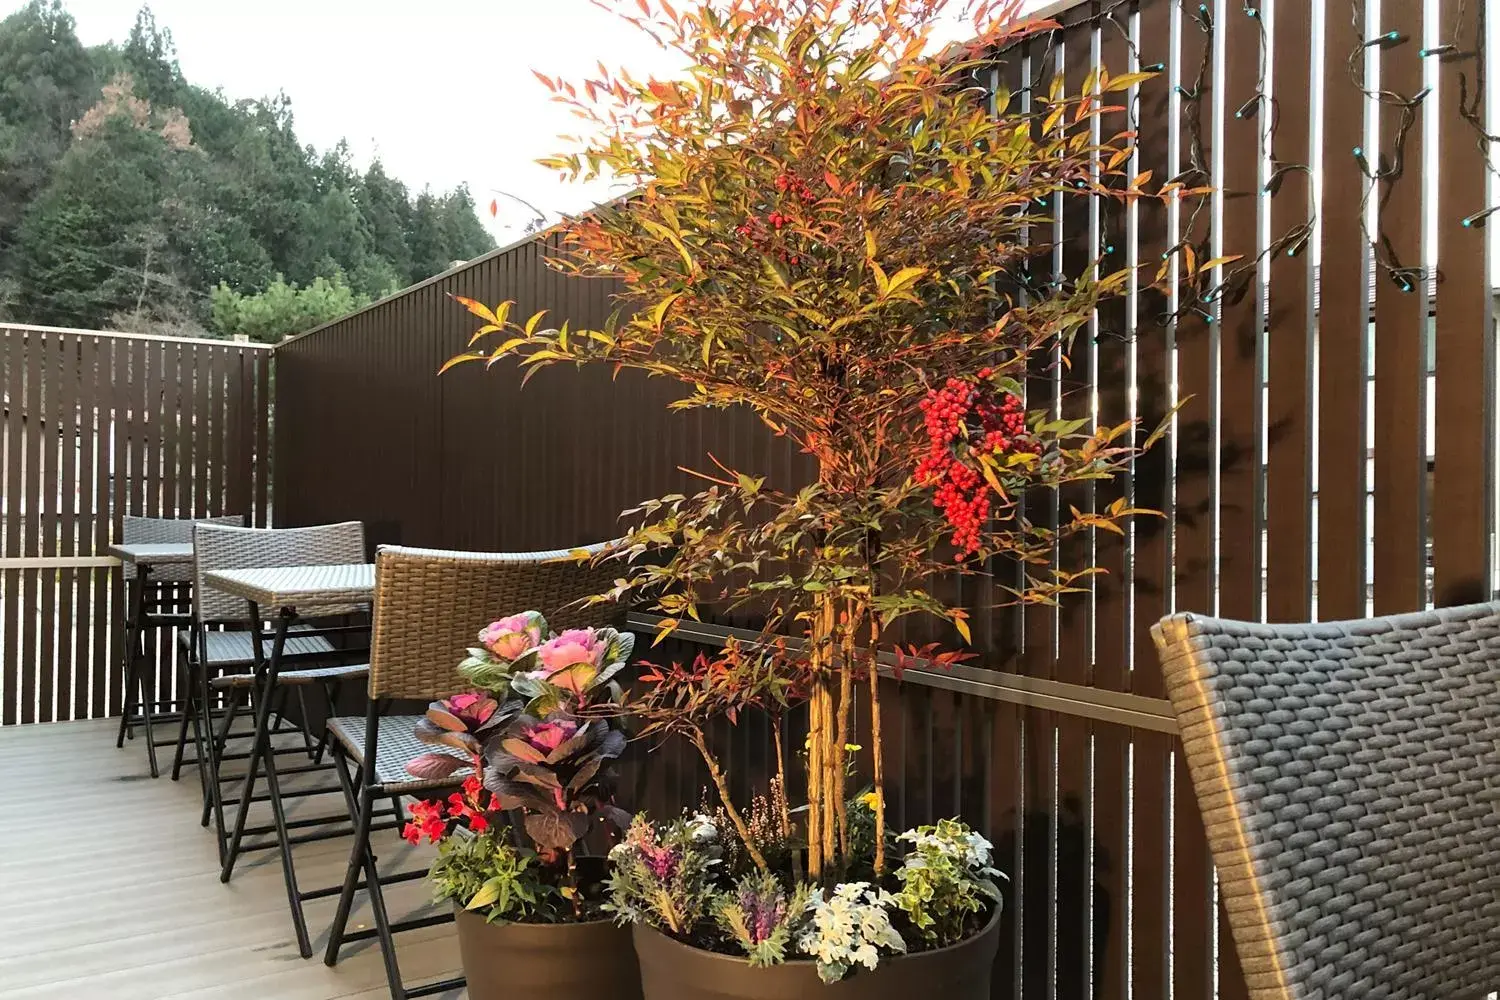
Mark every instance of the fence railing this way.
pixel 98 425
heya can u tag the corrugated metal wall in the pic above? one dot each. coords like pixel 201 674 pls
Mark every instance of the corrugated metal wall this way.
pixel 1304 477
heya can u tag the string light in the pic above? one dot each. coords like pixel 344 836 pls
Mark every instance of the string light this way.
pixel 1478 219
pixel 1389 40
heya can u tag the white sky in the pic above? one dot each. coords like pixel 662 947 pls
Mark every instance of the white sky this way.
pixel 442 90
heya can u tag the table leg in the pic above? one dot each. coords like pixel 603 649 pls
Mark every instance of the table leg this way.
pixel 135 602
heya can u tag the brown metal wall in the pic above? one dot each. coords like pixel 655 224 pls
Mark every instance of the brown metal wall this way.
pixel 96 426
pixel 1273 507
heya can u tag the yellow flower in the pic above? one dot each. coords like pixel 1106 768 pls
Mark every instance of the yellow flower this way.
pixel 870 799
pixel 852 748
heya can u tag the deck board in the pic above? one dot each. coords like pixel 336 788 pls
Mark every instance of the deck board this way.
pixel 111 887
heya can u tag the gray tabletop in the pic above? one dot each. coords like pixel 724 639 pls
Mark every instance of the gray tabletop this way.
pixel 298 586
pixel 153 553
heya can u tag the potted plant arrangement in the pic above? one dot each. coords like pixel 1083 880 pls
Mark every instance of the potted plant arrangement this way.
pixel 837 228
pixel 512 843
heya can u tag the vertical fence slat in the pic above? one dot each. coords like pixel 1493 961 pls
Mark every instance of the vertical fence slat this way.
pixel 71 679
pixel 15 446
pixel 1400 332
pixel 122 360
pixel 1289 344
pixel 32 530
pixel 261 516
pixel 1194 508
pixel 90 614
pixel 1151 854
pixel 105 653
pixel 1343 333
pixel 1240 319
pixel 48 520
pixel 1463 463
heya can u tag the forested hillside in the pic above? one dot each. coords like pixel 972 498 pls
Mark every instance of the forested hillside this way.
pixel 132 199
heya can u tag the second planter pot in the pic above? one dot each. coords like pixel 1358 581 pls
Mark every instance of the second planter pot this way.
pixel 592 961
pixel 671 970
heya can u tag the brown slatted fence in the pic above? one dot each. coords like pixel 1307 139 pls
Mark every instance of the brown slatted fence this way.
pixel 98 425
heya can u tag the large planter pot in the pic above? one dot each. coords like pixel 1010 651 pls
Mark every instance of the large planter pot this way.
pixel 593 961
pixel 671 970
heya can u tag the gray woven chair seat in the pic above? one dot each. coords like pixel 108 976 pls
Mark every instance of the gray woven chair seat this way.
pixel 397 747
pixel 229 649
pixel 343 672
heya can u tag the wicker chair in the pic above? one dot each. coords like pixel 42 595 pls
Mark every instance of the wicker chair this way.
pixel 429 605
pixel 220 662
pixel 162 598
pixel 1349 779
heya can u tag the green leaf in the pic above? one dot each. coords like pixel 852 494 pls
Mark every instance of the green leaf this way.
pixel 487 894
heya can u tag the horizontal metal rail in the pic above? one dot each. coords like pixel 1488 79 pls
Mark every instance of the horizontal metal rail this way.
pixel 58 562
pixel 1117 707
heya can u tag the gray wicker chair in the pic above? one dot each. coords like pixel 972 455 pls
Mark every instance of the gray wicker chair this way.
pixel 163 600
pixel 221 661
pixel 429 606
pixel 1349 780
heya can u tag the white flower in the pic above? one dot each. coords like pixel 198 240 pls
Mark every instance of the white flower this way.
pixel 849 928
pixel 702 829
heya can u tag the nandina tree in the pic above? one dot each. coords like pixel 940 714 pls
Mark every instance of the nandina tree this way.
pixel 835 226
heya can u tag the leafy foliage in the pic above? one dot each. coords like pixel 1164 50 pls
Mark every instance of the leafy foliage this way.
pixel 481 872
pixel 946 881
pixel 835 228
pixel 541 759
pixel 558 772
pixel 281 309
pixel 663 876
pixel 852 926
pixel 128 195
pixel 761 916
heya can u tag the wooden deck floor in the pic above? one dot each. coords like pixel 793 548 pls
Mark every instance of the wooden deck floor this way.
pixel 109 887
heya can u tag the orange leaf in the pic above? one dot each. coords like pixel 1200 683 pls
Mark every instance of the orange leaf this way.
pixel 546 80
pixel 832 181
pixel 477 308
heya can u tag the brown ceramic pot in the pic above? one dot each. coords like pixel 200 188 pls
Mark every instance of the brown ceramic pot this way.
pixel 592 961
pixel 671 970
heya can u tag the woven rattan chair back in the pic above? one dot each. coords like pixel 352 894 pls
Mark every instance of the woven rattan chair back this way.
pixel 1348 775
pixel 166 531
pixel 220 548
pixel 430 605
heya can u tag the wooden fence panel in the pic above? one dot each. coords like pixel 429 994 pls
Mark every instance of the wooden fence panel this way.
pixel 97 426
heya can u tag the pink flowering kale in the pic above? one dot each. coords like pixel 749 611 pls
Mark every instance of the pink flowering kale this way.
pixel 762 916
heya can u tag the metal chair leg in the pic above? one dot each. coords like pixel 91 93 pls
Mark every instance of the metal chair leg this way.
pixel 147 676
pixel 306 721
pixel 259 747
pixel 356 855
pixel 134 601
pixel 189 716
pixel 288 866
pixel 214 804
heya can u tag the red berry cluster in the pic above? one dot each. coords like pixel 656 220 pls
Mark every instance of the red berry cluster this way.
pixel 963 420
pixel 760 229
pixel 795 186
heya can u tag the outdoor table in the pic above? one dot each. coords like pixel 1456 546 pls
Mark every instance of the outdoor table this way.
pixel 144 556
pixel 285 588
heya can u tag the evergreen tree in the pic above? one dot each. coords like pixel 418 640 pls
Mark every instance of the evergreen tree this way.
pixel 129 196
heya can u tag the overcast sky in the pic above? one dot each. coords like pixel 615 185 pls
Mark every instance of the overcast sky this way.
pixel 441 90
